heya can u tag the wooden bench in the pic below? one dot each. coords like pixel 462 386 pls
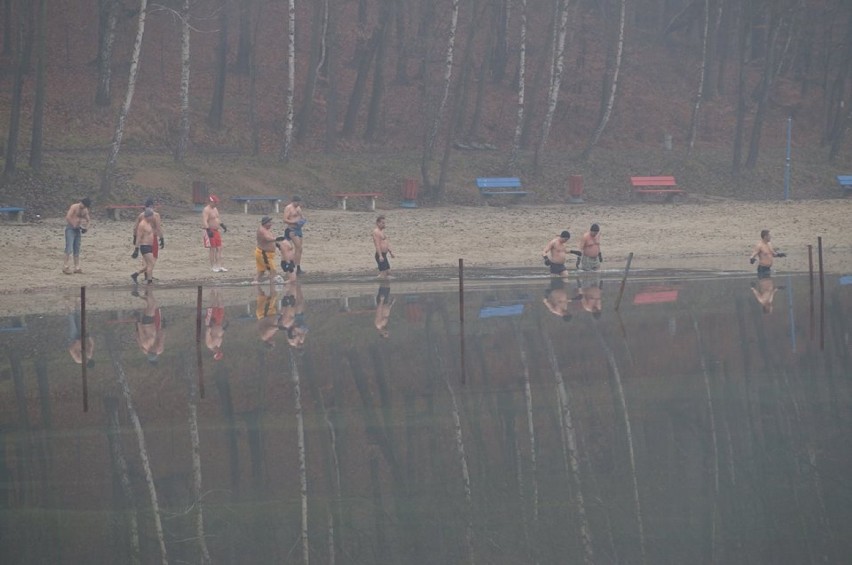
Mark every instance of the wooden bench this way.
pixel 246 200
pixel 664 187
pixel 342 197
pixel 114 210
pixel 14 212
pixel 845 182
pixel 500 186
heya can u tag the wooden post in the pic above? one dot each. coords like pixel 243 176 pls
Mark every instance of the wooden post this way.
pixel 811 286
pixel 84 349
pixel 623 281
pixel 461 318
pixel 821 296
pixel 198 342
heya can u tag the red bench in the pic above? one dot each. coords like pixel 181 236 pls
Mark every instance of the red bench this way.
pixel 664 187
pixel 343 196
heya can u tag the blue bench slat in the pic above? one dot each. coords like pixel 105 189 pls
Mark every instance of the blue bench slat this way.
pixel 845 181
pixel 498 182
pixel 12 209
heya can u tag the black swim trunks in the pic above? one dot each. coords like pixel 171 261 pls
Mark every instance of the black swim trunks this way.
pixel 764 272
pixel 382 262
pixel 145 249
pixel 557 268
pixel 288 266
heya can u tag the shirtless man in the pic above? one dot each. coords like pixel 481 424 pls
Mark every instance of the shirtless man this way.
pixel 556 299
pixel 145 238
pixel 383 248
pixel 384 303
pixel 149 329
pixel 77 222
pixel 764 254
pixel 157 222
pixel 211 224
pixel 288 254
pixel 264 253
pixel 295 219
pixel 215 325
pixel 555 254
pixel 591 246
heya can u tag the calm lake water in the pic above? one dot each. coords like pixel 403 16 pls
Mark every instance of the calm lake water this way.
pixel 707 421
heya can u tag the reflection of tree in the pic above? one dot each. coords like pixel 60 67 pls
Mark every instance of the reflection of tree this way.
pixel 119 464
pixel 303 473
pixel 192 402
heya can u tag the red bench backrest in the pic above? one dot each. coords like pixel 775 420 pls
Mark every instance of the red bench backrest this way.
pixel 653 181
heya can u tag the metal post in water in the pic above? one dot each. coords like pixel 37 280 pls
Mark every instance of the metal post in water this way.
pixel 85 355
pixel 821 296
pixel 198 342
pixel 811 286
pixel 791 311
pixel 623 281
pixel 461 317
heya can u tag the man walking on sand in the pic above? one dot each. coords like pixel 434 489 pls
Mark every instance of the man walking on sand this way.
pixel 77 222
pixel 764 254
pixel 555 254
pixel 295 219
pixel 145 237
pixel 383 248
pixel 211 224
pixel 157 222
pixel 591 246
pixel 264 253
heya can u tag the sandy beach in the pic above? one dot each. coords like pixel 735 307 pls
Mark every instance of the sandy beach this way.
pixel 428 242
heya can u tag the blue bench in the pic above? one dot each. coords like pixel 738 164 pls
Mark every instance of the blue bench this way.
pixel 246 200
pixel 845 182
pixel 500 186
pixel 17 214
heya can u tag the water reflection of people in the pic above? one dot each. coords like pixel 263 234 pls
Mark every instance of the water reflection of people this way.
pixel 764 291
pixel 266 311
pixel 384 303
pixel 590 294
pixel 292 318
pixel 556 299
pixel 149 328
pixel 215 324
pixel 75 342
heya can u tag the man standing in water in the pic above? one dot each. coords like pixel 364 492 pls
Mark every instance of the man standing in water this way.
pixel 591 246
pixel 383 248
pixel 764 254
pixel 555 254
pixel 77 221
pixel 211 224
pixel 295 219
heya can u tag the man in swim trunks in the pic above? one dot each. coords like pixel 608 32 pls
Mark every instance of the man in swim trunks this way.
pixel 149 329
pixel 383 248
pixel 294 219
pixel 555 254
pixel 77 222
pixel 591 247
pixel 763 254
pixel 145 238
pixel 264 253
pixel 288 255
pixel 157 222
pixel 211 224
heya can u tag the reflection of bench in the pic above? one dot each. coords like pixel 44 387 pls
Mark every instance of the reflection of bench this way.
pixel 665 187
pixel 14 212
pixel 17 324
pixel 246 200
pixel 845 182
pixel 114 210
pixel 500 186
pixel 500 311
pixel 343 196
pixel 655 295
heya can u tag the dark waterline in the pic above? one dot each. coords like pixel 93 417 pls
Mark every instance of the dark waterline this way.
pixel 521 422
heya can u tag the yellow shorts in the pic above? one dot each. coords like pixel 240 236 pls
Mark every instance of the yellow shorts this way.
pixel 264 260
pixel 265 306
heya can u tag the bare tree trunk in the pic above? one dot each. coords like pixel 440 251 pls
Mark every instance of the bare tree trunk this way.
pixel 739 129
pixel 693 128
pixel 429 141
pixel 37 141
pixel 500 47
pixel 375 105
pixel 245 43
pixel 119 463
pixel 557 61
pixel 522 69
pixel 619 50
pixel 303 473
pixel 183 124
pixel 402 45
pixel 11 165
pixel 332 62
pixel 195 442
pixel 364 62
pixel 286 146
pixel 107 12
pixel 106 177
pixel 318 41
pixel 217 104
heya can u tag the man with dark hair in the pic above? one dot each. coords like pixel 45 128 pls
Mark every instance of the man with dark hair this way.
pixel 763 254
pixel 555 254
pixel 383 248
pixel 157 222
pixel 77 222
pixel 591 247
pixel 295 220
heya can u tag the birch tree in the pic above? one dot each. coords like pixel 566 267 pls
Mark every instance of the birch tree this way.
pixel 522 67
pixel 693 128
pixel 286 146
pixel 22 46
pixel 106 178
pixel 217 103
pixel 106 39
pixel 37 139
pixel 610 102
pixel 183 125
pixel 557 62
pixel 429 142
